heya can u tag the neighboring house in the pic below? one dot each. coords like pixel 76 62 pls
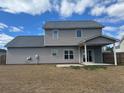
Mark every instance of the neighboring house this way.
pixel 120 47
pixel 2 52
pixel 63 42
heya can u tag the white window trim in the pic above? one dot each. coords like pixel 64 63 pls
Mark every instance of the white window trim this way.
pixel 53 37
pixel 69 54
pixel 52 50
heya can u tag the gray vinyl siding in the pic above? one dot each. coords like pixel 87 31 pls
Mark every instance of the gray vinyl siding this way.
pixel 68 37
pixel 19 55
pixel 98 54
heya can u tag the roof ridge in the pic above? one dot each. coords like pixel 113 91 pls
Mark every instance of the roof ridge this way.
pixel 67 24
pixel 71 20
pixel 30 36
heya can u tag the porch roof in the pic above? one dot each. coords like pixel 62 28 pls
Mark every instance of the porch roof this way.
pixel 98 40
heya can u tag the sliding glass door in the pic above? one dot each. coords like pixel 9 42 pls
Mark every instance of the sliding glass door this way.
pixel 90 55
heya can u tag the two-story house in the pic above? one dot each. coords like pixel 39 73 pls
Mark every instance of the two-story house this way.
pixel 63 42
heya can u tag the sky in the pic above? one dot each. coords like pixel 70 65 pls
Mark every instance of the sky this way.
pixel 26 17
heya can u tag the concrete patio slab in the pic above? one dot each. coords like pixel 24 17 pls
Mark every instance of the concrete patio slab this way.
pixel 69 65
pixel 98 64
pixel 83 64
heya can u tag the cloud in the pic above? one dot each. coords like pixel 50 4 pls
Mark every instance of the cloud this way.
pixel 81 6
pixel 114 28
pixel 110 28
pixel 4 39
pixel 110 8
pixel 16 29
pixel 108 19
pixel 98 10
pixel 33 7
pixel 117 32
pixel 116 10
pixel 11 28
pixel 122 27
pixel 120 34
pixel 3 26
pixel 67 7
pixel 36 7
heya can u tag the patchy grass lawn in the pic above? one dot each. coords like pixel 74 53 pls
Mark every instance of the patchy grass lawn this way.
pixel 49 79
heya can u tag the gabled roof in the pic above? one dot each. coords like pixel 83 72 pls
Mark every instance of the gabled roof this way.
pixel 27 41
pixel 104 36
pixel 105 39
pixel 72 24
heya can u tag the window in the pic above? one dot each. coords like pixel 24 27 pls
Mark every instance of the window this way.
pixel 78 33
pixel 54 52
pixel 68 54
pixel 55 34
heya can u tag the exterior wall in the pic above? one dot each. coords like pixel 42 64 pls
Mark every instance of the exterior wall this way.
pixel 19 55
pixel 97 53
pixel 121 49
pixel 68 37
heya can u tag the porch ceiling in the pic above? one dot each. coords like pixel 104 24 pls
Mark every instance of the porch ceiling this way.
pixel 100 40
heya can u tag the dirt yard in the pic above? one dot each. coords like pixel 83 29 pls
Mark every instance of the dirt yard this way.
pixel 49 79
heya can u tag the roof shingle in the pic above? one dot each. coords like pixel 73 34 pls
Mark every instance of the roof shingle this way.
pixel 72 24
pixel 27 41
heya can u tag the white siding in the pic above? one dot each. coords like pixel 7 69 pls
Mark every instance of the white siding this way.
pixel 121 49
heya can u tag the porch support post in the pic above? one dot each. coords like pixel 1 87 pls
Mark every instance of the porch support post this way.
pixel 115 56
pixel 79 54
pixel 85 48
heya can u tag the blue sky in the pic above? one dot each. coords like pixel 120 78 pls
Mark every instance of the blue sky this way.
pixel 26 17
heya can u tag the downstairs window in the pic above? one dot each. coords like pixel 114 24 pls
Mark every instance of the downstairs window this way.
pixel 68 54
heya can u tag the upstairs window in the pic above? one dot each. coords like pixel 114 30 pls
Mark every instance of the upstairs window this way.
pixel 78 33
pixel 55 35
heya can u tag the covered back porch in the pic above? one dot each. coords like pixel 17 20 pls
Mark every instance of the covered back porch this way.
pixel 90 49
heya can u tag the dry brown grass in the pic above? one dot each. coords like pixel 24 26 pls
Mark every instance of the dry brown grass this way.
pixel 49 79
